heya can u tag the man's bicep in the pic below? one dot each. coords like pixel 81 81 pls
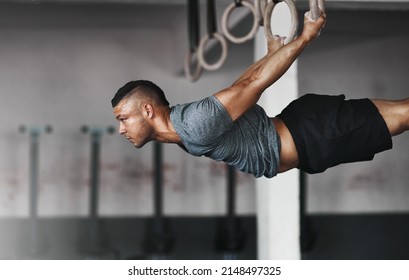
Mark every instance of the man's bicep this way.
pixel 239 98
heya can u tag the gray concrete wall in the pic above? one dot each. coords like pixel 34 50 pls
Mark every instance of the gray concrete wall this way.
pixel 61 65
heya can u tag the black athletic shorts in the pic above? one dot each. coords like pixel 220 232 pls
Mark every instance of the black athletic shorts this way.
pixel 329 130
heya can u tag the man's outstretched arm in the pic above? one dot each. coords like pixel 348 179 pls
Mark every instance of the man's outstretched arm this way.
pixel 247 90
pixel 272 46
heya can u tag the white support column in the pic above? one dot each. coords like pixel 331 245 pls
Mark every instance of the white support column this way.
pixel 278 218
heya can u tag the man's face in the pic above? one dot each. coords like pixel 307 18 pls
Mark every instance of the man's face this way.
pixel 132 123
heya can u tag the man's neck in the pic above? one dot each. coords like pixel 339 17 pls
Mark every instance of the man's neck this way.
pixel 164 130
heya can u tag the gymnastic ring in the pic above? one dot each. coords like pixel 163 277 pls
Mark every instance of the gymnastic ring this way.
pixel 294 20
pixel 188 73
pixel 321 5
pixel 225 19
pixel 260 6
pixel 316 7
pixel 200 51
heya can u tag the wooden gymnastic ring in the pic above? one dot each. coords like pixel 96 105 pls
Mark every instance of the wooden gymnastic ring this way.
pixel 188 73
pixel 225 21
pixel 294 20
pixel 316 7
pixel 321 5
pixel 260 6
pixel 201 51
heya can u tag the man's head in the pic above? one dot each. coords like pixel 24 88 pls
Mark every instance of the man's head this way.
pixel 142 88
pixel 134 106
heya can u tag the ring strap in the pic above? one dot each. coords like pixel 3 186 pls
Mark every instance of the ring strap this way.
pixel 193 32
pixel 211 18
pixel 238 3
pixel 193 26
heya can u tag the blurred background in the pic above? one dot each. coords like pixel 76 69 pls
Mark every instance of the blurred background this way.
pixel 72 189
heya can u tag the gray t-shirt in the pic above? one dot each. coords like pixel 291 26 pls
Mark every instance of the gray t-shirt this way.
pixel 251 143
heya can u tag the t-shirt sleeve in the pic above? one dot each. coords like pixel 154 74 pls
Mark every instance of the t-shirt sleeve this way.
pixel 201 122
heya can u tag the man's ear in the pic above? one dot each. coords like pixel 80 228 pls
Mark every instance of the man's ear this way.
pixel 148 110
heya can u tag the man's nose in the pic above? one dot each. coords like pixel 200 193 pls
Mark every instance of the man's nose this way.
pixel 122 129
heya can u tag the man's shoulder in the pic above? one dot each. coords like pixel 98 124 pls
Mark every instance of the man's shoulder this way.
pixel 201 121
pixel 206 107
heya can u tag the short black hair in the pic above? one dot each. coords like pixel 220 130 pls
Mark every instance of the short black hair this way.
pixel 147 87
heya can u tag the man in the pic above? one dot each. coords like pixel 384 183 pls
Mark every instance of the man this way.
pixel 313 133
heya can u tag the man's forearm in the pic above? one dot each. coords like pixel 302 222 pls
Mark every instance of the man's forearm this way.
pixel 276 64
pixel 272 46
pixel 251 69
